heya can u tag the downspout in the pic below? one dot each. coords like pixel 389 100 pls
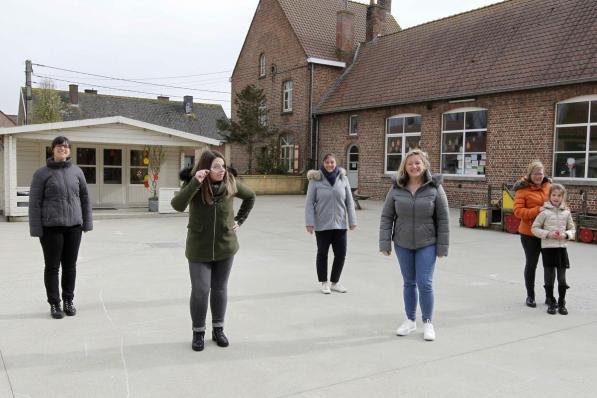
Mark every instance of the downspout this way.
pixel 311 132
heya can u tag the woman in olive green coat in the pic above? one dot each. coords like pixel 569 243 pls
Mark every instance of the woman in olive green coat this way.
pixel 209 190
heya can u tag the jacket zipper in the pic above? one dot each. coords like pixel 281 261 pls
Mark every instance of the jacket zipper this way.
pixel 213 247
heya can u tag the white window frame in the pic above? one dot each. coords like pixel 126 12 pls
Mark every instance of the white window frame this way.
pixel 262 65
pixel 287 88
pixel 463 152
pixel 587 151
pixel 350 124
pixel 403 135
pixel 287 152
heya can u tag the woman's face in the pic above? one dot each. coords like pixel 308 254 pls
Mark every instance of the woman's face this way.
pixel 61 152
pixel 415 168
pixel 537 176
pixel 329 164
pixel 217 170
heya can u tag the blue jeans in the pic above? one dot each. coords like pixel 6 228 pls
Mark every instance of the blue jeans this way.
pixel 417 271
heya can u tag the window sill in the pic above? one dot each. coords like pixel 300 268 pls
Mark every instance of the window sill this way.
pixel 457 177
pixel 575 181
pixel 352 135
pixel 285 113
pixel 261 77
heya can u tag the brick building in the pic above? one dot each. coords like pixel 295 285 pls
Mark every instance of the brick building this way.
pixel 295 50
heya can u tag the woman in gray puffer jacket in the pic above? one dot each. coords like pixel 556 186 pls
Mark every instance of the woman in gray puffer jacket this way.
pixel 59 211
pixel 329 202
pixel 415 218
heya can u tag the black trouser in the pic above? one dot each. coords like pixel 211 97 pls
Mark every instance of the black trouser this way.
pixel 60 246
pixel 549 274
pixel 209 281
pixel 336 238
pixel 532 250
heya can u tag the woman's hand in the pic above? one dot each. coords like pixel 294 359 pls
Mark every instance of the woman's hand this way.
pixel 385 252
pixel 310 229
pixel 353 227
pixel 235 227
pixel 201 174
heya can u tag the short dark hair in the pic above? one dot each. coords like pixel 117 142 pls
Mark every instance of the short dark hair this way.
pixel 60 140
pixel 328 155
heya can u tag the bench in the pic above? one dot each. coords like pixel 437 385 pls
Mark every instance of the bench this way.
pixel 356 197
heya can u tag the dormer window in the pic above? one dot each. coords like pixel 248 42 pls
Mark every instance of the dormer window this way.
pixel 262 66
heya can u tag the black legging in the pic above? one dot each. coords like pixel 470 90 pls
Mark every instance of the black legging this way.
pixel 532 250
pixel 549 274
pixel 336 238
pixel 60 246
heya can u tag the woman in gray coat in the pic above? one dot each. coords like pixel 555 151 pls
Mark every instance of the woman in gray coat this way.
pixel 329 202
pixel 415 219
pixel 59 211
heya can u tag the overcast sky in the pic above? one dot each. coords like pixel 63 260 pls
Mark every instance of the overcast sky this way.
pixel 140 39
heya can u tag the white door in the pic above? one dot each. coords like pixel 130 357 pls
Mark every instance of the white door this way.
pixel 86 157
pixel 353 166
pixel 111 190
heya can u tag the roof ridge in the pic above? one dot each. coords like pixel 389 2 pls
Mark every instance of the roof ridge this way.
pixel 140 98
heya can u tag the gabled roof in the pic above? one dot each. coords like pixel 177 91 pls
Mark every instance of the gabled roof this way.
pixel 7 120
pixel 168 114
pixel 512 45
pixel 314 23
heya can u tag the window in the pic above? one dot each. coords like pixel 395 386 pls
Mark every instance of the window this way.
pixel 575 151
pixel 138 169
pixel 262 67
pixel 287 96
pixel 353 125
pixel 403 133
pixel 287 153
pixel 87 162
pixel 464 141
pixel 112 166
pixel 262 112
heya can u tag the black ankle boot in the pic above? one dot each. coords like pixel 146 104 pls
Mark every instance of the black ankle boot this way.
pixel 551 305
pixel 69 308
pixel 562 306
pixel 198 341
pixel 531 302
pixel 56 311
pixel 219 337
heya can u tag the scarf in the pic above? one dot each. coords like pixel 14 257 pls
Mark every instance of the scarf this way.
pixel 331 177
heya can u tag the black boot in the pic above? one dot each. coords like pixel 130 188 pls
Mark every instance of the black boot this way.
pixel 69 308
pixel 531 301
pixel 551 305
pixel 56 311
pixel 562 306
pixel 198 341
pixel 219 337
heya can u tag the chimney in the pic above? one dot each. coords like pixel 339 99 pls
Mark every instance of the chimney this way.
pixel 386 4
pixel 73 94
pixel 188 104
pixel 344 35
pixel 376 15
pixel 163 98
pixel 90 91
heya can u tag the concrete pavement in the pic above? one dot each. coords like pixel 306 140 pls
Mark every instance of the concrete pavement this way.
pixel 131 337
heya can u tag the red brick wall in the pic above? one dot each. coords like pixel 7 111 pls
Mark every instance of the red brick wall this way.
pixel 520 129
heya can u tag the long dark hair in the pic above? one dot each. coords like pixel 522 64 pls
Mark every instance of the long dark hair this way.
pixel 204 163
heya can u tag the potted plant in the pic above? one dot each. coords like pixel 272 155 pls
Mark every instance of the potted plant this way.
pixel 154 157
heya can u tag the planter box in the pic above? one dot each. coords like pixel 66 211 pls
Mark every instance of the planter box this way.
pixel 275 184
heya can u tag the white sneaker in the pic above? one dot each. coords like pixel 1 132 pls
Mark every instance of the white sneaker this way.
pixel 406 327
pixel 325 288
pixel 428 331
pixel 337 287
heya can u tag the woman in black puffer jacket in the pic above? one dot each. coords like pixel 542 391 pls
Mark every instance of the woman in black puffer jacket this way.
pixel 59 211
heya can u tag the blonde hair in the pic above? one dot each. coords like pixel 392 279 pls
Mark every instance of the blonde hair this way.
pixel 534 165
pixel 561 188
pixel 402 174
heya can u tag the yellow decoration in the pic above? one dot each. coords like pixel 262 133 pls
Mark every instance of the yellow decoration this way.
pixel 145 161
pixel 145 177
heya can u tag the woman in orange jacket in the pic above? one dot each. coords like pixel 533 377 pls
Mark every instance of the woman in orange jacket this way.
pixel 532 192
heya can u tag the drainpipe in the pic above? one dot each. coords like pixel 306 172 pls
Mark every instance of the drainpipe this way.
pixel 311 132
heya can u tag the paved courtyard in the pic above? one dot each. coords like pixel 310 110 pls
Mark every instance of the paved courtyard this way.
pixel 131 337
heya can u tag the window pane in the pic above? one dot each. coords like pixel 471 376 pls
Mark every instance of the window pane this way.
pixel 475 141
pixel 454 121
pixel 112 157
pixel 354 124
pixel 577 112
pixel 450 164
pixel 113 176
pixel 594 112
pixel 137 158
pixel 592 165
pixel 394 145
pixel 396 125
pixel 89 173
pixel 394 162
pixel 413 142
pixel 413 124
pixel 593 141
pixel 86 156
pixel 571 139
pixel 472 164
pixel 452 142
pixel 476 120
pixel 138 174
pixel 570 165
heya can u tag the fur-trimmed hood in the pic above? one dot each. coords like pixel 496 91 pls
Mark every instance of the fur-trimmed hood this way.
pixel 185 174
pixel 525 183
pixel 316 175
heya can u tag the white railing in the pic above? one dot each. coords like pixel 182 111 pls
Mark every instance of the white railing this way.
pixel 22 203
